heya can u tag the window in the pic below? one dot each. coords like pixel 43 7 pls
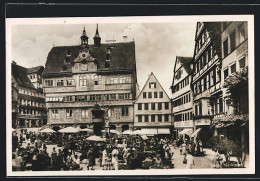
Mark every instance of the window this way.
pixel 233 68
pixel 82 81
pixel 69 113
pixel 196 109
pixel 220 105
pixel 98 97
pixel 166 118
pixel 70 82
pixel 146 118
pixel 159 118
pixel 125 111
pixel 112 96
pixel 200 108
pixel 161 94
pixel 159 106
pixel 64 68
pixel 241 34
pixel 225 48
pixel 202 85
pixel 139 106
pixel 140 118
pixel 116 80
pixel 233 41
pixel 144 95
pixel 146 106
pixel 98 79
pixel 48 82
pixel 92 97
pixel 149 94
pixel 152 118
pixel 153 106
pixel 69 98
pixel 84 113
pixel 152 85
pixel 60 83
pixel 155 95
pixel 242 62
pixel 166 105
pixel 54 114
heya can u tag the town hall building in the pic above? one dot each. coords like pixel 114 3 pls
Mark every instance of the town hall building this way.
pixel 91 85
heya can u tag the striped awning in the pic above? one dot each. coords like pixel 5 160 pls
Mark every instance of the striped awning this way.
pixel 186 131
pixel 164 131
pixel 195 132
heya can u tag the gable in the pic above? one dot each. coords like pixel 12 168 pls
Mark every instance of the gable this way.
pixel 152 85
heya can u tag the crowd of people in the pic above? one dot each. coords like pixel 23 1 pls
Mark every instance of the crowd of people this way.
pixel 71 151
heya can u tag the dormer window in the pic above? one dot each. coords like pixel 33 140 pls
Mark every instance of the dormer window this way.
pixel 109 49
pixel 67 60
pixel 64 68
pixel 68 53
pixel 108 57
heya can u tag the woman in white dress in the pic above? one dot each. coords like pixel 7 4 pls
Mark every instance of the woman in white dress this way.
pixel 104 156
pixel 115 158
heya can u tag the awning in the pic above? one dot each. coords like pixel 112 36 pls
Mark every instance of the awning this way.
pixel 186 131
pixel 195 132
pixel 164 131
pixel 150 131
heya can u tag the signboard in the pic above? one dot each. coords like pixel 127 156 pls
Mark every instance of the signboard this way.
pixel 202 122
pixel 183 124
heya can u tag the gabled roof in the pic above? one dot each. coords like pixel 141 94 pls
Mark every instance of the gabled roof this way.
pixel 185 62
pixel 122 57
pixel 147 81
pixel 38 69
pixel 20 75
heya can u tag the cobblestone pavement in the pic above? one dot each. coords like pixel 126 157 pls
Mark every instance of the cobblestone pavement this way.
pixel 199 162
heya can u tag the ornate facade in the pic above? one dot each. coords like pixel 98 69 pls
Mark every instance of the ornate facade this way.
pixel 90 85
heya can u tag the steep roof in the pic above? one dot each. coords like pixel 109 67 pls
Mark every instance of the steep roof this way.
pixel 20 75
pixel 122 57
pixel 38 69
pixel 146 84
pixel 185 62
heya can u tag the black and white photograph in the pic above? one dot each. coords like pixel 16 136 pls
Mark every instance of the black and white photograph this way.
pixel 159 95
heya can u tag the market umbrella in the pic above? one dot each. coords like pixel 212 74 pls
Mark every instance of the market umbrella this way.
pixel 47 130
pixel 69 130
pixel 86 129
pixel 128 132
pixel 95 138
pixel 114 131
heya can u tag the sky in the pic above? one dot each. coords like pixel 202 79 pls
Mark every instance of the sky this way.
pixel 156 44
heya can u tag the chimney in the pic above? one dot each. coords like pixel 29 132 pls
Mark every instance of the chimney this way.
pixel 125 38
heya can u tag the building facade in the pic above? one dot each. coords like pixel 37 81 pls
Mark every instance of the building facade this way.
pixel 182 96
pixel 206 78
pixel 91 85
pixel 233 122
pixel 153 108
pixel 35 76
pixel 30 106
